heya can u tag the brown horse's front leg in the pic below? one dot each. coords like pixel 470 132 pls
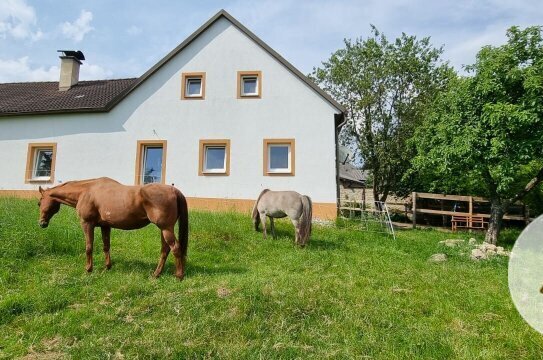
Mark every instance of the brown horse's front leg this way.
pixel 106 238
pixel 163 256
pixel 172 242
pixel 88 229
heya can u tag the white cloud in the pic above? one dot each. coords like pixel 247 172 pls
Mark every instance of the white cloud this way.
pixel 18 20
pixel 133 30
pixel 94 72
pixel 20 70
pixel 79 28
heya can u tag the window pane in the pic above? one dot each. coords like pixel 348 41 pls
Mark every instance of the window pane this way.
pixel 249 85
pixel 43 163
pixel 152 165
pixel 215 158
pixel 279 156
pixel 194 87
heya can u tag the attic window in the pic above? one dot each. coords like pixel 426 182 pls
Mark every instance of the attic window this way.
pixel 249 84
pixel 193 86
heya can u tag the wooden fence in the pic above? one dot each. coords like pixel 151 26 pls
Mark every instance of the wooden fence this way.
pixel 468 200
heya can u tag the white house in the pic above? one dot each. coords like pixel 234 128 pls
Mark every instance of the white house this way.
pixel 222 117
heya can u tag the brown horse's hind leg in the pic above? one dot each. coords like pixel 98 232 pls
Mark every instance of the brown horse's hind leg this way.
pixel 106 239
pixel 163 256
pixel 169 236
pixel 88 229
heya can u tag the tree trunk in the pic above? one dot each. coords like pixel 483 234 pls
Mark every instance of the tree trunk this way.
pixel 497 210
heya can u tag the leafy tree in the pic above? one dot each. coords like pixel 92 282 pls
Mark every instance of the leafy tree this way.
pixel 385 86
pixel 488 126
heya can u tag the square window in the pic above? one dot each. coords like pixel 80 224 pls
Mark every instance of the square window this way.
pixel 40 164
pixel 278 156
pixel 249 84
pixel 214 157
pixel 193 85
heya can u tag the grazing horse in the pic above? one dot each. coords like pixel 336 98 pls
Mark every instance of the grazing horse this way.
pixel 280 204
pixel 107 204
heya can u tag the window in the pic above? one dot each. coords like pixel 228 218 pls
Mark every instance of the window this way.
pixel 249 84
pixel 193 85
pixel 214 157
pixel 150 162
pixel 40 162
pixel 279 156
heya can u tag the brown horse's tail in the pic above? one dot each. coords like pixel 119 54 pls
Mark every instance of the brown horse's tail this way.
pixel 306 219
pixel 255 214
pixel 183 222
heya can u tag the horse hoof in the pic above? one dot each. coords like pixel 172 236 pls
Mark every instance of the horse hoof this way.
pixel 108 266
pixel 89 269
pixel 156 274
pixel 179 277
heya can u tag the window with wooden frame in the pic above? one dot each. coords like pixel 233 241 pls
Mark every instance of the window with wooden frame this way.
pixel 193 86
pixel 279 157
pixel 40 162
pixel 249 84
pixel 150 162
pixel 214 157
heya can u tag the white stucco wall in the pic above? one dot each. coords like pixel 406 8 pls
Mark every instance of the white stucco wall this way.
pixel 104 144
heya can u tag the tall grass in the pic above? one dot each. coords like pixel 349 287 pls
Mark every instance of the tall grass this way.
pixel 349 294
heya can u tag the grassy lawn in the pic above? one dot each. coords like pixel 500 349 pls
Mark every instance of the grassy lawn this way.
pixel 349 294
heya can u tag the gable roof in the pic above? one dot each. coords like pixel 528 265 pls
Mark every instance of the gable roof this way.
pixel 350 173
pixel 44 97
pixel 109 93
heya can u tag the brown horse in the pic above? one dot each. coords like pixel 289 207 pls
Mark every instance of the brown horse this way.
pixel 107 204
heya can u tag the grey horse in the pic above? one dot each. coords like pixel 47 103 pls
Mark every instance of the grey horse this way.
pixel 280 204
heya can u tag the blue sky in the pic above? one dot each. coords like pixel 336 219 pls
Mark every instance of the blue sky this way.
pixel 125 38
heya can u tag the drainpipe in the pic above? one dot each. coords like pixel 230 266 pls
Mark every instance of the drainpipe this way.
pixel 339 121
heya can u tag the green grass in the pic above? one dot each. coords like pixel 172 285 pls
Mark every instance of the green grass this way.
pixel 349 294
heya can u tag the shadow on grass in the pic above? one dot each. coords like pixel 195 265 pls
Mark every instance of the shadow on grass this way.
pixel 146 267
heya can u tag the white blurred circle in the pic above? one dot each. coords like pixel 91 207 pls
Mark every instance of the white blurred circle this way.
pixel 526 274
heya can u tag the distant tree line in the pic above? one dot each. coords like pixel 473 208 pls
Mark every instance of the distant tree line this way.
pixel 420 126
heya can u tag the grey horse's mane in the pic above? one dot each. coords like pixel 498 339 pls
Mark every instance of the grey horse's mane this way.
pixel 255 215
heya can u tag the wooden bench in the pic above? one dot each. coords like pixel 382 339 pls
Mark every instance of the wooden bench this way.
pixel 468 222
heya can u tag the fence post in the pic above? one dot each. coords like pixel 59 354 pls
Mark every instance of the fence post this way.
pixel 414 207
pixel 470 224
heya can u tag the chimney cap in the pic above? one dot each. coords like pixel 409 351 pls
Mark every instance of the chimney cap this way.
pixel 72 53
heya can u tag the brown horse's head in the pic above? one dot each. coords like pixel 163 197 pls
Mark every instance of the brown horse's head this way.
pixel 48 207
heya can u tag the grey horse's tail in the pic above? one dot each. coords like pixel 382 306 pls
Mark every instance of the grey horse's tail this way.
pixel 255 215
pixel 306 219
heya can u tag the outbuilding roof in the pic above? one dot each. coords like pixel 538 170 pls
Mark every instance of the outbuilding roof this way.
pixel 103 95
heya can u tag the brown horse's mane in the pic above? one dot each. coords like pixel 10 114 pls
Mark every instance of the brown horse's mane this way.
pixel 73 182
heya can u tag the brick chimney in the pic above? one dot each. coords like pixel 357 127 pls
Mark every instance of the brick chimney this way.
pixel 69 68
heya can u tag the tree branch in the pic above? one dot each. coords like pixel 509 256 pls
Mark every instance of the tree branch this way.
pixel 531 184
